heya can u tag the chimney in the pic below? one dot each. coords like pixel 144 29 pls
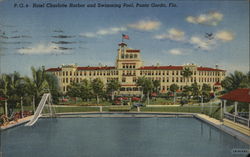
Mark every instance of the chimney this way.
pixel 216 66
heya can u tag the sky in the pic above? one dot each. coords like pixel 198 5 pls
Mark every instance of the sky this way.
pixel 206 33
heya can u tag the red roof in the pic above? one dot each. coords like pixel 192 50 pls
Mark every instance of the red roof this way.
pixel 95 68
pixel 240 95
pixel 54 69
pixel 208 69
pixel 161 68
pixel 137 51
pixel 2 99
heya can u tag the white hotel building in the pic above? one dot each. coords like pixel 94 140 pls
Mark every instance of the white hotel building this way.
pixel 129 67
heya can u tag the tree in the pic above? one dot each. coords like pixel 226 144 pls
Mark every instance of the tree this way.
pixel 195 89
pixel 236 80
pixel 113 86
pixel 97 87
pixel 37 85
pixel 74 90
pixel 11 87
pixel 174 88
pixel 156 84
pixel 186 91
pixel 206 89
pixel 186 73
pixel 146 85
pixel 53 87
pixel 86 89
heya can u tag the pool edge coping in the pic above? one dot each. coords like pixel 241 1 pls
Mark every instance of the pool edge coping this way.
pixel 214 122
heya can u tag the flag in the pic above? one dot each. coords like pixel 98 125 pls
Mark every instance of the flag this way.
pixel 124 36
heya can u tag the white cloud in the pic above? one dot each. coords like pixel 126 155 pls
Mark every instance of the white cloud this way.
pixel 104 31
pixel 201 43
pixel 172 34
pixel 88 35
pixel 175 52
pixel 40 49
pixel 212 19
pixel 112 30
pixel 224 36
pixel 145 25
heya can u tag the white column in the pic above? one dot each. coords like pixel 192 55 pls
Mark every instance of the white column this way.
pixel 235 108
pixel 225 106
pixel 221 110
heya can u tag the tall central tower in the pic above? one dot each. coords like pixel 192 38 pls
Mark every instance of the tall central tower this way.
pixel 129 59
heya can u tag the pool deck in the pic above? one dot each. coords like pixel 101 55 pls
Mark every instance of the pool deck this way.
pixel 214 122
pixel 12 124
pixel 218 124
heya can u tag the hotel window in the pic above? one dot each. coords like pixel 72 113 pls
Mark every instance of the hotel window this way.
pixel 123 79
pixel 63 73
pixel 172 72
pixel 134 79
pixel 140 72
pixel 122 55
pixel 167 79
pixel 130 66
pixel 126 56
pixel 90 74
pixel 70 73
pixel 131 56
pixel 167 73
pixel 177 73
pixel 66 73
pixel 63 80
pixel 172 79
pixel 163 73
pixel 67 80
pixel 134 66
pixel 194 72
pixel 135 55
pixel 163 79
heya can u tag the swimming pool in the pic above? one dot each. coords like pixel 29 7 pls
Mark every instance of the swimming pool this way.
pixel 119 137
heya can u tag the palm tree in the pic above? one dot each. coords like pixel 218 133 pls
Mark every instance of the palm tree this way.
pixel 174 88
pixel 146 85
pixel 37 85
pixel 113 86
pixel 186 73
pixel 74 90
pixel 156 84
pixel 195 89
pixel 12 88
pixel 86 89
pixel 97 87
pixel 236 80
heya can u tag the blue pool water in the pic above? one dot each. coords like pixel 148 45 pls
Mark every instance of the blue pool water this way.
pixel 118 137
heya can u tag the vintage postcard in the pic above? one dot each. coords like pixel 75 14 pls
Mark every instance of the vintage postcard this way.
pixel 124 78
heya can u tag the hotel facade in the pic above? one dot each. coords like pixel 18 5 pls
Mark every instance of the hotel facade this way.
pixel 129 67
